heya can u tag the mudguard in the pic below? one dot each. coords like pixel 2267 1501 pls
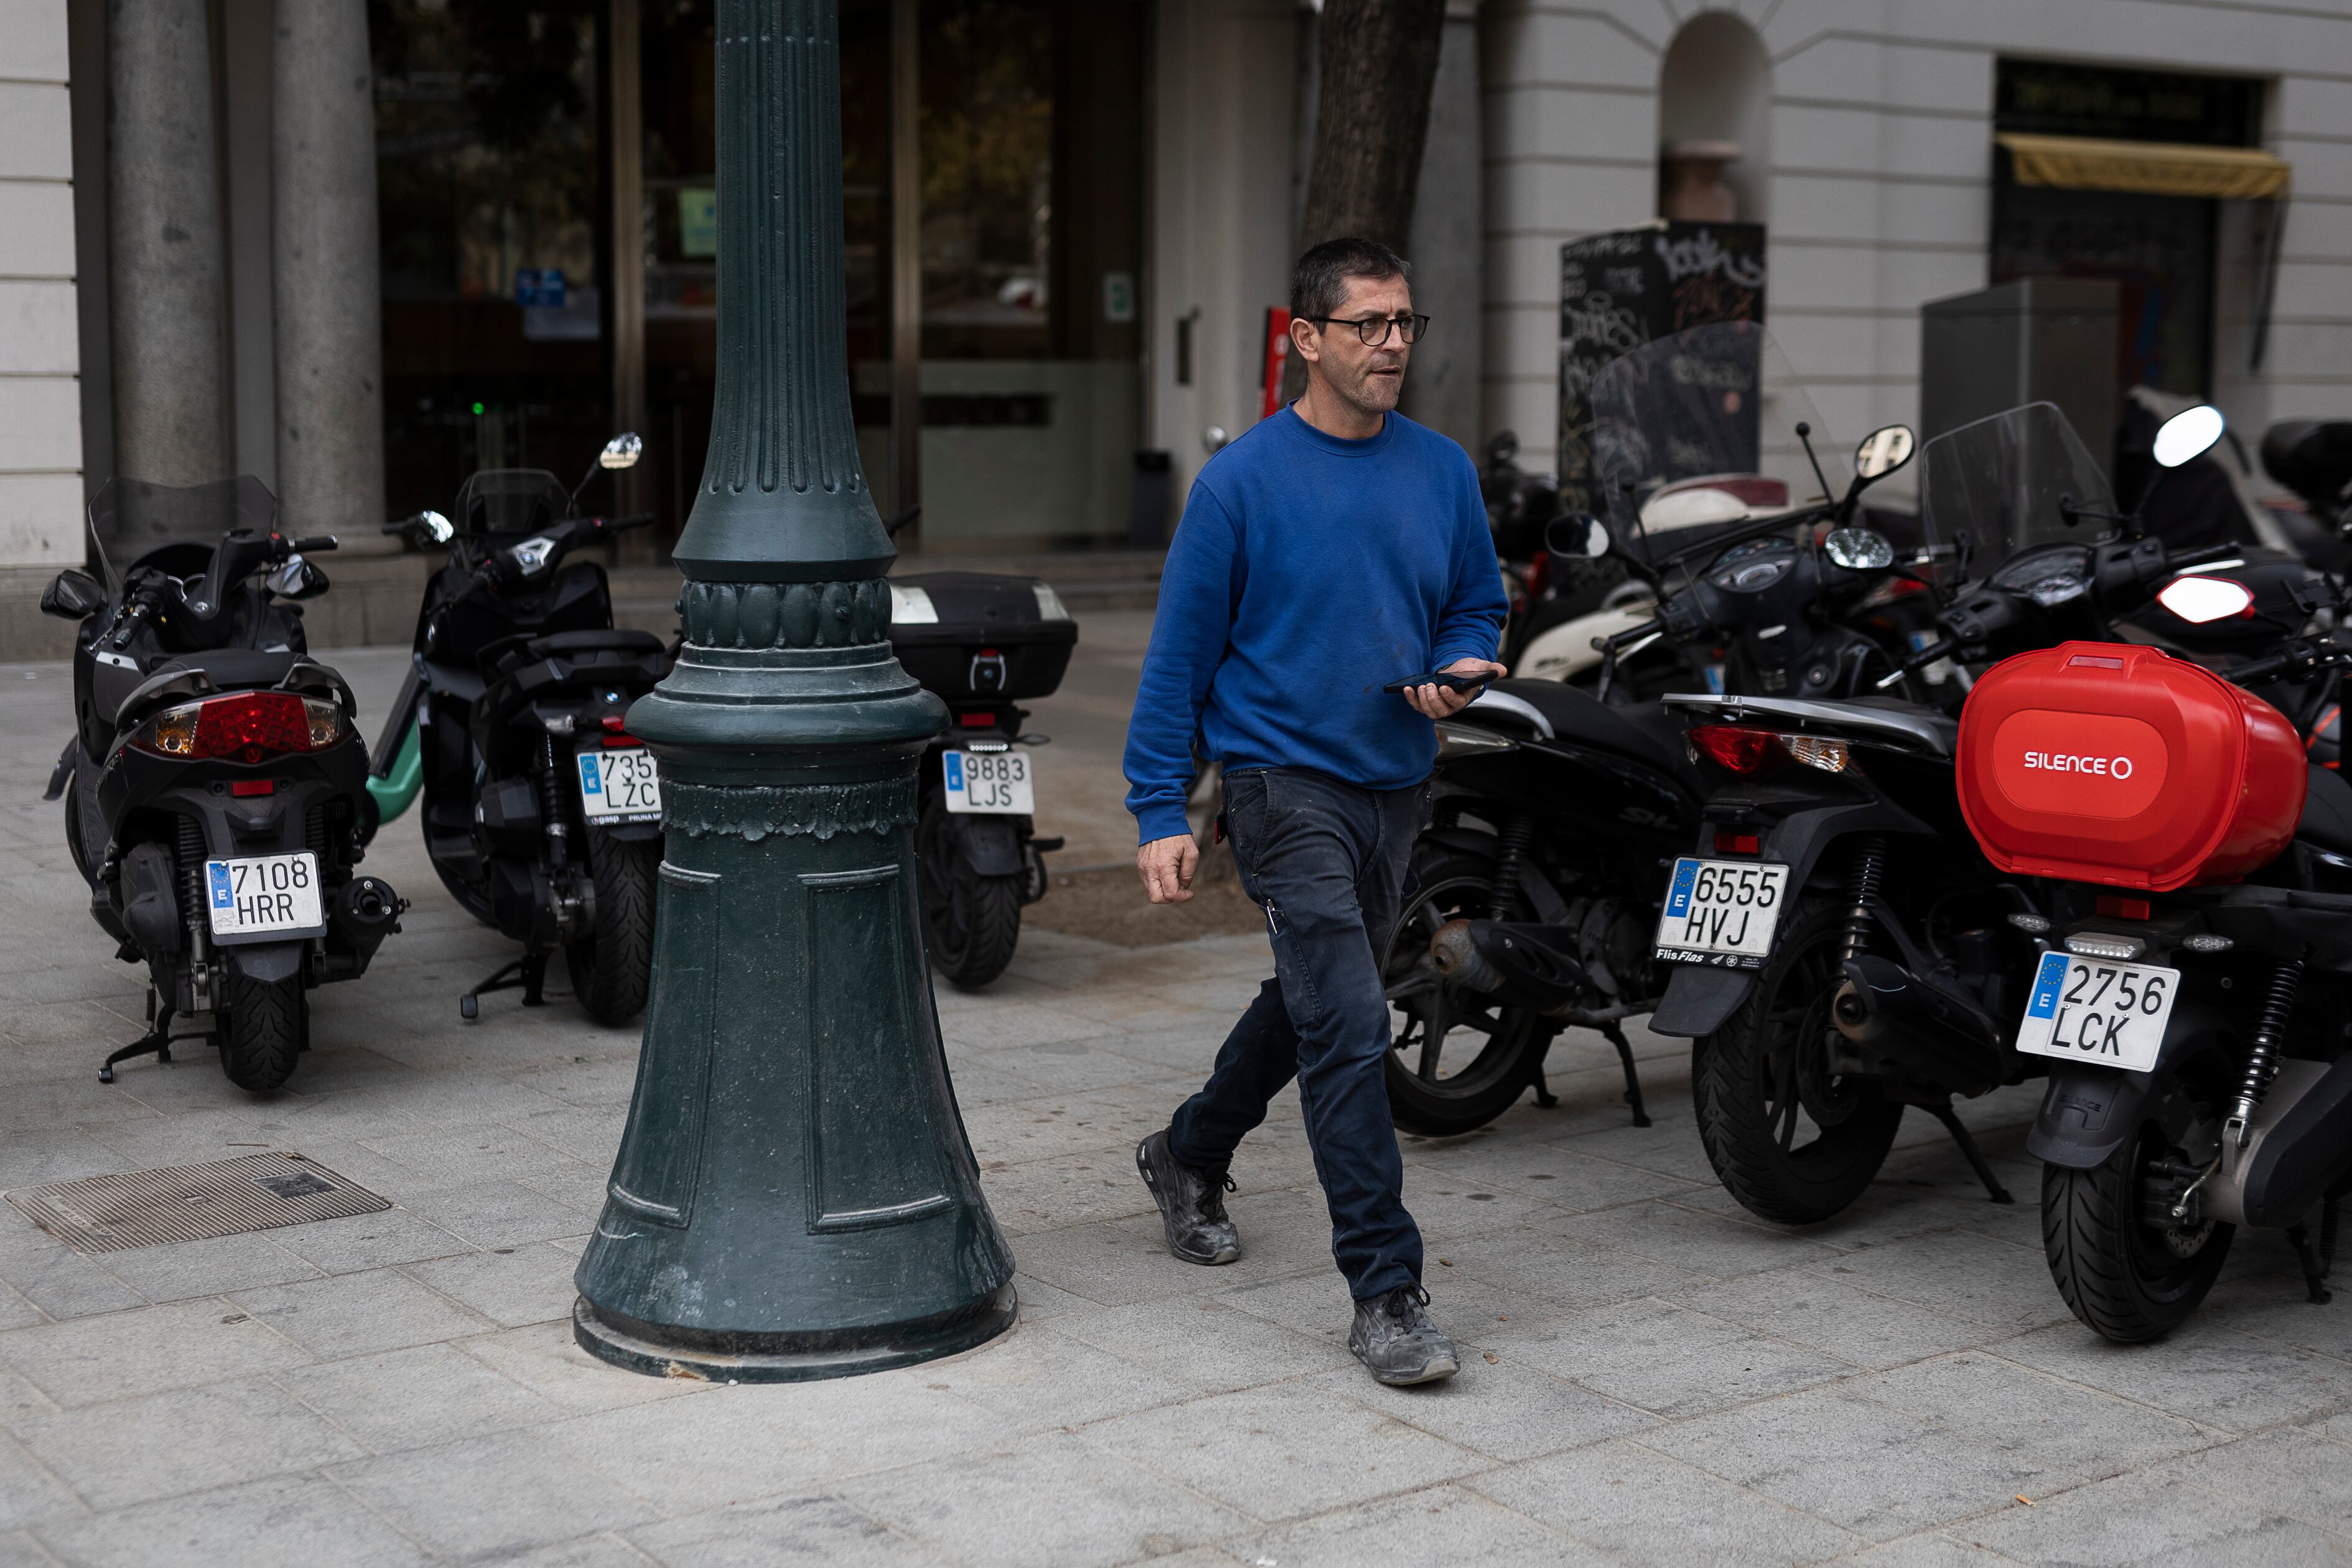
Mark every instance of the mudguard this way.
pixel 265 961
pixel 2088 1112
pixel 151 909
pixel 989 846
pixel 1699 999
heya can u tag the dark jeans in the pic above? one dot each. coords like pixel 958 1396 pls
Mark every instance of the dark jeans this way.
pixel 1326 860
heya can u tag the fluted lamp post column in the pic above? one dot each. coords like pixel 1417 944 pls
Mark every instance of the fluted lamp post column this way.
pixel 794 1195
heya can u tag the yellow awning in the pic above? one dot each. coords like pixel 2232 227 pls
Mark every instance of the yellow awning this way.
pixel 2150 168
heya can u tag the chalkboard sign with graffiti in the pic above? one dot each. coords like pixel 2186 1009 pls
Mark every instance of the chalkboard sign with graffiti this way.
pixel 1620 290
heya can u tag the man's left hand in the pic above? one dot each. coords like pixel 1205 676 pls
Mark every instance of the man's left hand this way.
pixel 1440 702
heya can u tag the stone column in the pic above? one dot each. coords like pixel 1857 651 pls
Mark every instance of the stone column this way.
pixel 329 305
pixel 170 375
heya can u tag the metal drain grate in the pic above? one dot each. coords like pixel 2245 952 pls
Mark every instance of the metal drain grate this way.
pixel 189 1202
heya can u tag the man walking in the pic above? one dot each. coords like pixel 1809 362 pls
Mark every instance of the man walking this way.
pixel 1334 549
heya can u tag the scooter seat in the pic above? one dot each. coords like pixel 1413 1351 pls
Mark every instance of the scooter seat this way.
pixel 2328 812
pixel 234 668
pixel 1643 731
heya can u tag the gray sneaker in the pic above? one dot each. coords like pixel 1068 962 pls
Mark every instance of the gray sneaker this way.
pixel 1394 1339
pixel 1192 1203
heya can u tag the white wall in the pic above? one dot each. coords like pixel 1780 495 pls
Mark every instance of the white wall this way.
pixel 40 408
pixel 1224 77
pixel 1880 178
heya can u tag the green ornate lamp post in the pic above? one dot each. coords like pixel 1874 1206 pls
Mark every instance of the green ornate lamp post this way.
pixel 794 1195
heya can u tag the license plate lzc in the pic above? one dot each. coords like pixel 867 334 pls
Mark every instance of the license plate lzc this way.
pixel 264 896
pixel 620 786
pixel 1721 912
pixel 2096 1010
pixel 995 783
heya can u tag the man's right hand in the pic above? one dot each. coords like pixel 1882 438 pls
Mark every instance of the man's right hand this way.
pixel 1167 866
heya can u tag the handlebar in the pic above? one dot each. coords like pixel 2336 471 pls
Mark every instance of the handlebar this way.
pixel 314 544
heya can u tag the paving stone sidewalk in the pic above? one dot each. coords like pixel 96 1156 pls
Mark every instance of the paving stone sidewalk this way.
pixel 1650 1376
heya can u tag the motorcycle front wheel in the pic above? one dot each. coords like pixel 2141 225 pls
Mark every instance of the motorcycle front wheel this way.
pixel 2123 1277
pixel 1457 1059
pixel 1792 1140
pixel 971 922
pixel 263 1027
pixel 613 966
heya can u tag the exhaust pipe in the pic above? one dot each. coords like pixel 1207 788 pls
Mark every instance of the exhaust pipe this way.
pixel 1927 1032
pixel 1513 963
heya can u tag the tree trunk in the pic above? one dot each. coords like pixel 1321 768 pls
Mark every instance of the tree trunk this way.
pixel 1378 61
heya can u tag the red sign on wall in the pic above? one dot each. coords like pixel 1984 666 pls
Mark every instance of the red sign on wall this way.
pixel 1277 355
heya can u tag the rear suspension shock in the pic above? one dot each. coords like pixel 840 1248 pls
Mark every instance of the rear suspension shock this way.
pixel 2263 1058
pixel 1869 869
pixel 550 804
pixel 1508 861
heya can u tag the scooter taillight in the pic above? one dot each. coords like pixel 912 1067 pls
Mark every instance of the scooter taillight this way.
pixel 245 727
pixel 1738 749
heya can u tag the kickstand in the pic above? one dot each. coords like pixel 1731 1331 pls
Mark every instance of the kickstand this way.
pixel 1616 1036
pixel 529 972
pixel 1545 1099
pixel 1943 1112
pixel 156 1042
pixel 2314 1272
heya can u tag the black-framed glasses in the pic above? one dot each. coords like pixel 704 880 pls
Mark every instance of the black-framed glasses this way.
pixel 1373 330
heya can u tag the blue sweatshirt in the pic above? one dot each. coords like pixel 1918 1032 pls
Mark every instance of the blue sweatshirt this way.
pixel 1309 572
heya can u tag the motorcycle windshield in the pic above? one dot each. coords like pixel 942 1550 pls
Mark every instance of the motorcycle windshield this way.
pixel 1711 402
pixel 1997 484
pixel 132 519
pixel 512 500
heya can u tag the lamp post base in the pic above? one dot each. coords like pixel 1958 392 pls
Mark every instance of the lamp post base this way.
pixel 663 1352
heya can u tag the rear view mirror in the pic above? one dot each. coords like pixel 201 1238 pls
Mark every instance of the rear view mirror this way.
pixel 1859 549
pixel 2188 436
pixel 2198 600
pixel 72 595
pixel 1577 536
pixel 296 578
pixel 435 527
pixel 1882 451
pixel 621 452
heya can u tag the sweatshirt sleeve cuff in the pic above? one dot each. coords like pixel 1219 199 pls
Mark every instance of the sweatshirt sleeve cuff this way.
pixel 1161 821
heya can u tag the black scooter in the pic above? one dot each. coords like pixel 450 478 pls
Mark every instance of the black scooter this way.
pixel 1553 811
pixel 214 787
pixel 1841 948
pixel 983 642
pixel 542 814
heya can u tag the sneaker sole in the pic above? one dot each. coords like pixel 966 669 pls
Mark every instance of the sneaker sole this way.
pixel 1151 1186
pixel 1430 1372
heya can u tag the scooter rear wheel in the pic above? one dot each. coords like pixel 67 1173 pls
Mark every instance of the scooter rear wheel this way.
pixel 1791 1140
pixel 1456 1059
pixel 971 922
pixel 268 1022
pixel 613 968
pixel 2122 1277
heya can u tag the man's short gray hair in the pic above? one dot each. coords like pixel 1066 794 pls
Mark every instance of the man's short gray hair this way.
pixel 1318 284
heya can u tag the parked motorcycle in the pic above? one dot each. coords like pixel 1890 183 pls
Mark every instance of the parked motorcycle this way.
pixel 983 642
pixel 1553 809
pixel 1822 993
pixel 542 813
pixel 214 785
pixel 1697 438
pixel 2195 942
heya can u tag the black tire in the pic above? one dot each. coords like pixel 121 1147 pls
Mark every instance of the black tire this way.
pixel 2128 1280
pixel 613 966
pixel 1765 1074
pixel 1435 1087
pixel 85 828
pixel 267 1024
pixel 971 922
